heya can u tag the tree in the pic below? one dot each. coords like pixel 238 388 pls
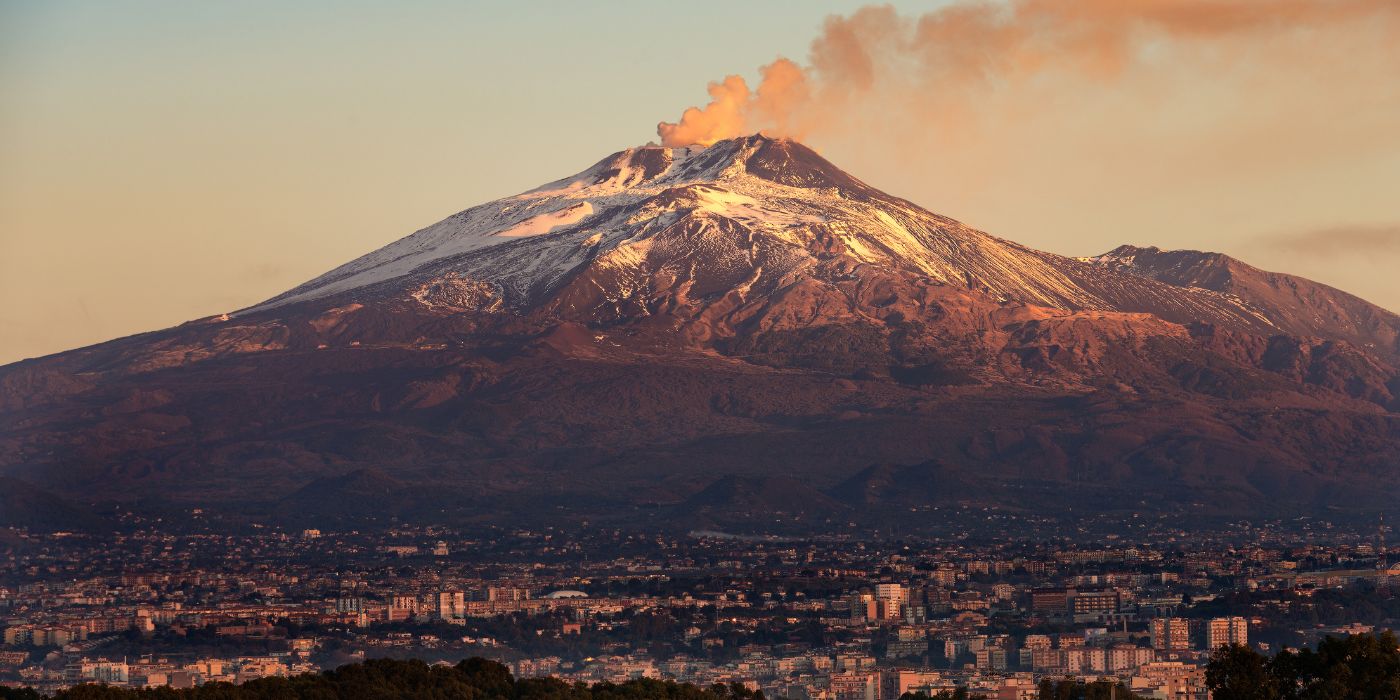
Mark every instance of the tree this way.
pixel 960 693
pixel 1073 689
pixel 489 676
pixel 8 693
pixel 1359 667
pixel 1237 672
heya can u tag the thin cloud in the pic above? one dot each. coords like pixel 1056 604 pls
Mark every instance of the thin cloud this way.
pixel 1338 241
pixel 265 272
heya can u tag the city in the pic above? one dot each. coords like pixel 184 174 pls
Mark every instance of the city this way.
pixel 821 619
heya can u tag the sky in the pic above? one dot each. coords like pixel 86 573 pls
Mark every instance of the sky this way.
pixel 166 161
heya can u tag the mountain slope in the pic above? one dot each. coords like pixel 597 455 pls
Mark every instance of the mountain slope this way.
pixel 705 327
pixel 1293 305
pixel 739 214
pixel 24 506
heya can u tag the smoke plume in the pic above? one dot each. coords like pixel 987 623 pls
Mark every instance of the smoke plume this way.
pixel 946 68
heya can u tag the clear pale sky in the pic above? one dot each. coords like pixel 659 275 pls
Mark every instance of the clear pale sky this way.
pixel 164 161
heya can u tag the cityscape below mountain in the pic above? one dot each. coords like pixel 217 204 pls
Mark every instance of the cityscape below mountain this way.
pixel 726 416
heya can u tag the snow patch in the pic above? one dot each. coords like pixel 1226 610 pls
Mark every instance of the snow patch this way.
pixel 544 223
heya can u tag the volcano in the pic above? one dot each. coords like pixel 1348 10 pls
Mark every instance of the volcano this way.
pixel 674 324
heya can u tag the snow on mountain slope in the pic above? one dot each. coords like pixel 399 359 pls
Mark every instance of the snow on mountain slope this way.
pixel 740 212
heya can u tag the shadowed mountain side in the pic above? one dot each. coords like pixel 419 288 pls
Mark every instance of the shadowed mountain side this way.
pixel 24 506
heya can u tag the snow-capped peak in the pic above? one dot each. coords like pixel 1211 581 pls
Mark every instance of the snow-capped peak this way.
pixel 744 213
pixel 570 204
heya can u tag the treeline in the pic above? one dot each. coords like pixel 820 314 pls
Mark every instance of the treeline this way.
pixel 959 694
pixel 1359 667
pixel 386 679
pixel 1072 689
